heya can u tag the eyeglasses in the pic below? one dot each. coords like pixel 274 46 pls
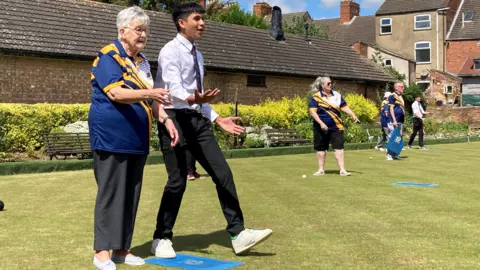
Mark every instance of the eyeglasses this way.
pixel 139 31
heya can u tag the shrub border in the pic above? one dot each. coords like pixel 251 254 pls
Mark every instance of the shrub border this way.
pixel 10 168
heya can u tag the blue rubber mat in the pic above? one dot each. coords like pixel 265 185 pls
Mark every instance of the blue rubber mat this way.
pixel 188 262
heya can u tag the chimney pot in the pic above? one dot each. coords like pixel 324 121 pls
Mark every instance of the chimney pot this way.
pixel 276 32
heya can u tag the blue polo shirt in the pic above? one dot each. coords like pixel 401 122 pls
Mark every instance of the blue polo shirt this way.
pixel 328 109
pixel 113 126
pixel 396 101
pixel 384 113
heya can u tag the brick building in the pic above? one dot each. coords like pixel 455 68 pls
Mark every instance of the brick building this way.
pixel 47 48
pixel 463 50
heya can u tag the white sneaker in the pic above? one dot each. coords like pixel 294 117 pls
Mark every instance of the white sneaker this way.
pixel 129 259
pixel 345 173
pixel 249 238
pixel 162 248
pixel 108 265
pixel 319 172
pixel 423 148
pixel 379 149
pixel 389 157
pixel 409 147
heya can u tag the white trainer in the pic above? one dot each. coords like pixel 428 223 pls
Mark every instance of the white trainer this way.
pixel 108 265
pixel 379 148
pixel 389 157
pixel 319 172
pixel 130 259
pixel 162 248
pixel 249 238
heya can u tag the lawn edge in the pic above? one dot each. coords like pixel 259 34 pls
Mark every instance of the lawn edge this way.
pixel 29 167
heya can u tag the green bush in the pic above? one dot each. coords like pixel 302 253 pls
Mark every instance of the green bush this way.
pixel 431 127
pixel 253 143
pixel 23 125
pixel 365 109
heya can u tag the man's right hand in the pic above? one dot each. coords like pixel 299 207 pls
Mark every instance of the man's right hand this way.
pixel 205 97
pixel 395 123
pixel 160 95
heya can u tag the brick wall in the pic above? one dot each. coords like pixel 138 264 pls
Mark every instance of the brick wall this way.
pixel 458 51
pixel 465 115
pixel 438 81
pixel 38 80
pixel 276 87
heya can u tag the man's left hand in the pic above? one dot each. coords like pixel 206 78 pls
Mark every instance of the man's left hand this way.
pixel 229 125
pixel 172 131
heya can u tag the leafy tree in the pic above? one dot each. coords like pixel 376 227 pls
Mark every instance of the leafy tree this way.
pixel 297 26
pixel 233 14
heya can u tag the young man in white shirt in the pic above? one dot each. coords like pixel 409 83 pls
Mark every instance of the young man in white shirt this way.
pixel 180 69
pixel 418 113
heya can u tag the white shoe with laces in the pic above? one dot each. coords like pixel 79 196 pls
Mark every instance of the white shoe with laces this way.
pixel 107 265
pixel 249 238
pixel 130 259
pixel 319 172
pixel 389 157
pixel 162 248
pixel 345 173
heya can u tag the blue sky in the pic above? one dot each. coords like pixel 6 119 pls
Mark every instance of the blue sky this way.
pixel 317 8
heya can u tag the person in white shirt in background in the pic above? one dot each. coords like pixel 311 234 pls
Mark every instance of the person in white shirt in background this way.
pixel 418 117
pixel 180 69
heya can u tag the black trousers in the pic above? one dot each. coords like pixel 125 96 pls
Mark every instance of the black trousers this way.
pixel 417 128
pixel 191 169
pixel 195 131
pixel 119 179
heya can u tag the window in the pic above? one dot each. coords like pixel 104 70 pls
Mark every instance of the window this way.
pixel 476 63
pixel 422 22
pixel 388 62
pixel 423 85
pixel 255 80
pixel 422 52
pixel 468 17
pixel 385 26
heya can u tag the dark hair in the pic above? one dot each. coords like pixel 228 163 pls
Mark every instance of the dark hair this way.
pixel 182 11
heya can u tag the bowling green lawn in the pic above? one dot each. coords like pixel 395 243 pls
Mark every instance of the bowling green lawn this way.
pixel 323 222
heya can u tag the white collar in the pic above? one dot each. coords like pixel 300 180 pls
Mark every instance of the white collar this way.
pixel 184 41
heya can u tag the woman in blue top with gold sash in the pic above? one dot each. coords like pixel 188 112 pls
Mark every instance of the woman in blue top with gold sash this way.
pixel 120 126
pixel 325 106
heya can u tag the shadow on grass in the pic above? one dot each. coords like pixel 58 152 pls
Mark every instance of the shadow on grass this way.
pixel 337 172
pixel 196 243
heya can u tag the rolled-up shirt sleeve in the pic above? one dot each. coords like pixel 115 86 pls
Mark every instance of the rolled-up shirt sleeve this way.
pixel 171 73
pixel 209 112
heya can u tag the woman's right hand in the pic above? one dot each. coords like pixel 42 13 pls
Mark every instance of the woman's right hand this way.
pixel 323 126
pixel 160 95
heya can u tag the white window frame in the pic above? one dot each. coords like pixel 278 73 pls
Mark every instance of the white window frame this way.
pixel 427 82
pixel 381 25
pixel 465 16
pixel 429 48
pixel 422 28
pixel 476 67
pixel 385 63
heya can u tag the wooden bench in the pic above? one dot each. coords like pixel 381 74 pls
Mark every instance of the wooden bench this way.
pixel 67 144
pixel 474 127
pixel 279 137
pixel 371 130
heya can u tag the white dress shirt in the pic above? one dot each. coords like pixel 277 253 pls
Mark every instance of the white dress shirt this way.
pixel 417 110
pixel 176 73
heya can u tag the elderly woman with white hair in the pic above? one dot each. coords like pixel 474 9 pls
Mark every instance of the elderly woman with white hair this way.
pixel 325 106
pixel 120 123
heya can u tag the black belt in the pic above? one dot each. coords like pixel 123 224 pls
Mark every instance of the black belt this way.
pixel 185 111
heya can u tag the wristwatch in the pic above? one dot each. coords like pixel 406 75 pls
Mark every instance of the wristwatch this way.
pixel 165 120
